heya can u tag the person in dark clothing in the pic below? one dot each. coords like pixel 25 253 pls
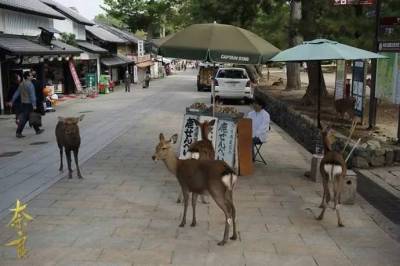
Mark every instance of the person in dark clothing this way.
pixel 38 93
pixel 26 91
pixel 13 88
pixel 127 81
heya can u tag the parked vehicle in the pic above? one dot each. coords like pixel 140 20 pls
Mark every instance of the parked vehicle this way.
pixel 204 77
pixel 233 83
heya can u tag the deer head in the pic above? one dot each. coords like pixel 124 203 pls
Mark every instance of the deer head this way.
pixel 163 148
pixel 328 137
pixel 205 127
pixel 71 124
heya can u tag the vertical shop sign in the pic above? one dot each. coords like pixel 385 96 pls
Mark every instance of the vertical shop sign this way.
pixel 340 79
pixel 226 141
pixel 359 87
pixel 75 76
pixel 189 134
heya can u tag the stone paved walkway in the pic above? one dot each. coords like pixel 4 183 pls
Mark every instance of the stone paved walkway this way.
pixel 124 211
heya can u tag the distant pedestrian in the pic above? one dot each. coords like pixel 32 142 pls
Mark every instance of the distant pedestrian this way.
pixel 127 81
pixel 38 93
pixel 16 107
pixel 26 91
pixel 147 79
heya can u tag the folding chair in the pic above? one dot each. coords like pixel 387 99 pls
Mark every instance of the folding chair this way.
pixel 257 151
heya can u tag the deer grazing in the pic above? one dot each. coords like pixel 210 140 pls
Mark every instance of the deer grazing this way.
pixel 202 149
pixel 67 135
pixel 333 171
pixel 345 105
pixel 198 176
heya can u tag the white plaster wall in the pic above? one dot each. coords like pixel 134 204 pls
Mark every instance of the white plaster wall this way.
pixel 18 23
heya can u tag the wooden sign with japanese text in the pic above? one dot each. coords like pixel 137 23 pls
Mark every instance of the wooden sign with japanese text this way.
pixel 189 134
pixel 226 142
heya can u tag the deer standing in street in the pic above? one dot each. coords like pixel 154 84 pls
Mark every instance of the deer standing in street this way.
pixel 68 137
pixel 198 176
pixel 333 171
pixel 202 149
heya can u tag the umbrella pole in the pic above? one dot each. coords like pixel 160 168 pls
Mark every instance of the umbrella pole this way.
pixel 213 91
pixel 319 96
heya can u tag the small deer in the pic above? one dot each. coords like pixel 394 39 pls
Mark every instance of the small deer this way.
pixel 278 83
pixel 67 135
pixel 333 171
pixel 202 149
pixel 198 176
pixel 345 105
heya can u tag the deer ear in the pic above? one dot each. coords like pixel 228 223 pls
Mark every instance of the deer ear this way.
pixel 162 137
pixel 174 138
pixel 61 119
pixel 212 122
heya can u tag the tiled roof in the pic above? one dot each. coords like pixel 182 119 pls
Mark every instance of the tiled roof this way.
pixel 91 47
pixel 34 7
pixel 122 33
pixel 68 12
pixel 104 34
pixel 115 60
pixel 20 46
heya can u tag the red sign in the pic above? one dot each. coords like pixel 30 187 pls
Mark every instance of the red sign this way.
pixel 75 75
pixel 353 2
pixel 390 21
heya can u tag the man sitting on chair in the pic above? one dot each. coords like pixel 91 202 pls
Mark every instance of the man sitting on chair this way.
pixel 260 123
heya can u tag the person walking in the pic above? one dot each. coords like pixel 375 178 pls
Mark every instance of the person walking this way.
pixel 127 81
pixel 38 93
pixel 26 91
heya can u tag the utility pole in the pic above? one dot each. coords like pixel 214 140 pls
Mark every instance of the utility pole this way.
pixel 372 101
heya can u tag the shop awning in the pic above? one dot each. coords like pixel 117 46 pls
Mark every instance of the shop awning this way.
pixel 115 60
pixel 91 47
pixel 144 64
pixel 20 46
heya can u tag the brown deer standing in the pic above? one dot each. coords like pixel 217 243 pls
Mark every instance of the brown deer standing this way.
pixel 198 176
pixel 202 149
pixel 345 105
pixel 333 171
pixel 67 135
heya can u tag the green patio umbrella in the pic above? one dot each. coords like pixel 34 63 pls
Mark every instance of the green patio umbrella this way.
pixel 215 42
pixel 322 49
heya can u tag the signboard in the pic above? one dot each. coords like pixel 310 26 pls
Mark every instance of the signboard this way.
pixel 140 48
pixel 226 142
pixel 359 87
pixel 353 2
pixel 189 134
pixel 387 46
pixel 340 79
pixel 75 76
pixel 212 135
pixel 387 78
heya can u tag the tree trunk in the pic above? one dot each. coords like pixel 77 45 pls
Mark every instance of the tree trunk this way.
pixel 310 98
pixel 293 69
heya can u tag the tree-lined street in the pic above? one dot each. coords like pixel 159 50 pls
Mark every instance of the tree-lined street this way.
pixel 124 213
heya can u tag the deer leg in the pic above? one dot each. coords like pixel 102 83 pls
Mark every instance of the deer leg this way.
pixel 77 164
pixel 336 202
pixel 194 201
pixel 233 212
pixel 204 199
pixel 323 203
pixel 179 199
pixel 68 155
pixel 185 205
pixel 219 198
pixel 61 158
pixel 323 198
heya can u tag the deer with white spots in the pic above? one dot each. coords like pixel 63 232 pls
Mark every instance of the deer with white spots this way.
pixel 333 171
pixel 199 176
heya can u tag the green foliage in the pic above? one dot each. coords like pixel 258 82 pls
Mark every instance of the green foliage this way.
pixel 147 15
pixel 68 38
pixel 109 20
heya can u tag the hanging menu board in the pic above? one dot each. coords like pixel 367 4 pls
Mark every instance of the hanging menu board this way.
pixel 358 86
pixel 226 142
pixel 340 79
